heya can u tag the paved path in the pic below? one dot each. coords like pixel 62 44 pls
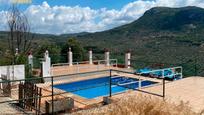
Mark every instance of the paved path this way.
pixel 6 108
pixel 189 90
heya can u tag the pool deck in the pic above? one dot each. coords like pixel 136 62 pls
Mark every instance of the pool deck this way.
pixel 189 89
pixel 81 68
pixel 8 108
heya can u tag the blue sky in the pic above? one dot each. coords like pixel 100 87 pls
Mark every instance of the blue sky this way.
pixel 74 16
pixel 94 4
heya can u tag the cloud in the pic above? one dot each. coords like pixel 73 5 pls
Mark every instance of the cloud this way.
pixel 65 19
pixel 3 21
pixel 127 14
pixel 60 19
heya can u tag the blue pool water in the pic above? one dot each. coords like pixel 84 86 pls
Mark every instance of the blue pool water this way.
pixel 97 87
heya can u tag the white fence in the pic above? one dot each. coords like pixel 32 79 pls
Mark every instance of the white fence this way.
pixel 13 72
pixel 77 66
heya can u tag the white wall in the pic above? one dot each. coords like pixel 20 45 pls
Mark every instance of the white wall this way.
pixel 107 58
pixel 127 60
pixel 46 67
pixel 14 72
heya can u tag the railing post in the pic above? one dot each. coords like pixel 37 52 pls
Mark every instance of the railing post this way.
pixel 139 83
pixel 181 72
pixel 110 82
pixel 52 96
pixel 70 57
pixel 77 67
pixel 127 59
pixel 163 87
pixel 30 63
pixel 90 56
pixel 98 65
pixel 116 63
pixel 107 57
pixel 163 77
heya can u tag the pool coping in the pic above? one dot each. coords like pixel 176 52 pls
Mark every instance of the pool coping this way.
pixel 87 101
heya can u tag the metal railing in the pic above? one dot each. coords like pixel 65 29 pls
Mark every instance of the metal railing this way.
pixel 175 71
pixel 48 91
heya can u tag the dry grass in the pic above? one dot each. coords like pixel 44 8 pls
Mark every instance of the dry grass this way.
pixel 142 105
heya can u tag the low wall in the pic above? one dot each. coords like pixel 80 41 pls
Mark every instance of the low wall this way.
pixel 59 105
pixel 14 72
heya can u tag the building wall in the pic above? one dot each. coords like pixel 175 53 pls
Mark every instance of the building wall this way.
pixel 14 72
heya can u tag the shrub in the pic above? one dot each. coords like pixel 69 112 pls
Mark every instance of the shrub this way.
pixel 142 105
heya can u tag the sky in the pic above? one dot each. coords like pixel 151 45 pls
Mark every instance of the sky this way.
pixel 75 16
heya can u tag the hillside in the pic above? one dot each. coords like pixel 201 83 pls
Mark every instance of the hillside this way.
pixel 171 36
pixel 159 22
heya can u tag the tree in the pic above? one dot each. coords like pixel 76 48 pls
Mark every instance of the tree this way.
pixel 54 52
pixel 77 49
pixel 19 37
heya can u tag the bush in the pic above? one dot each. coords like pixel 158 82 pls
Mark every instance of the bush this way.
pixel 142 105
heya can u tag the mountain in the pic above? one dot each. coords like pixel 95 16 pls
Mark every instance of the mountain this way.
pixel 160 19
pixel 172 19
pixel 181 24
pixel 171 36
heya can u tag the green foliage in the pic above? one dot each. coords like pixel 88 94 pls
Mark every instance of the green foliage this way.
pixel 77 49
pixel 20 59
pixel 6 58
pixel 54 52
pixel 162 35
pixel 172 36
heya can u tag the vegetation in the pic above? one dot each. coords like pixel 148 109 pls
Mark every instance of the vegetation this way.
pixel 59 53
pixel 142 105
pixel 168 36
pixel 19 37
pixel 76 48
pixel 16 43
pixel 54 51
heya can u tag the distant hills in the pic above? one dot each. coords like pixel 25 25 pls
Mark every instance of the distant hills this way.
pixel 170 19
pixel 173 36
pixel 159 20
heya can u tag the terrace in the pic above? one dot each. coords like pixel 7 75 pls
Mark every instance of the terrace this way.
pixel 69 87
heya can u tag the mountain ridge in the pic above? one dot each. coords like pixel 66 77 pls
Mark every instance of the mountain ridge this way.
pixel 164 18
pixel 161 35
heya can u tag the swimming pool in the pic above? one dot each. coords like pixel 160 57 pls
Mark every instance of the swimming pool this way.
pixel 97 87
